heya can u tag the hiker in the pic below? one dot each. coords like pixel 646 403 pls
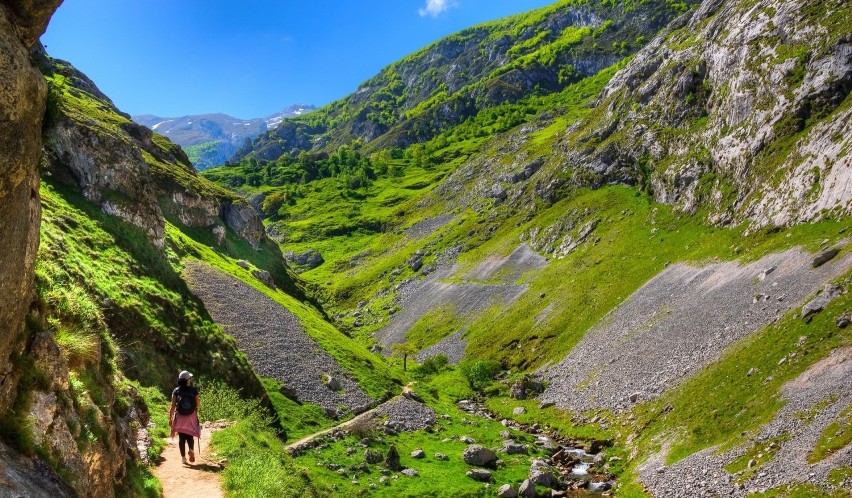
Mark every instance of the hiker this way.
pixel 183 415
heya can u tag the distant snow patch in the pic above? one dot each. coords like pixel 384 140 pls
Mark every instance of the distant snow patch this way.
pixel 161 122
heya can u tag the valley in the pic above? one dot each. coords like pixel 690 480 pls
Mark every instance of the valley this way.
pixel 598 249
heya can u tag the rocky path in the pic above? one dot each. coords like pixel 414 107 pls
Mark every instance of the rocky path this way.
pixel 275 341
pixel 199 480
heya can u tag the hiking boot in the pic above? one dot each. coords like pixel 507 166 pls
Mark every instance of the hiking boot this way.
pixel 191 456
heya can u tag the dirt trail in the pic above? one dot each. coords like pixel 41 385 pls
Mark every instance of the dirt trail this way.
pixel 199 480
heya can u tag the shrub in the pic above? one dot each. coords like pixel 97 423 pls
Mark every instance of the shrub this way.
pixel 221 402
pixel 430 366
pixel 479 374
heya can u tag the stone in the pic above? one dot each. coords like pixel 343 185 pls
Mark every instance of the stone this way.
pixel 304 261
pixel 507 491
pixel 392 459
pixel 467 440
pixel 479 456
pixel 634 397
pixel 519 410
pixel 265 278
pixel 243 264
pixel 513 448
pixel 546 404
pixel 410 472
pixel 541 474
pixel 526 489
pixel 441 456
pixel 817 304
pixel 480 475
pixel 418 453
pixel 333 383
pixel 842 321
pixel 825 256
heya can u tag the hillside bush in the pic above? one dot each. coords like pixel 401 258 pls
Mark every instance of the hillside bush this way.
pixel 430 366
pixel 479 374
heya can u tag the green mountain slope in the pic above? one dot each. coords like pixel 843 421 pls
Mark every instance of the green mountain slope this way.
pixel 442 85
pixel 721 140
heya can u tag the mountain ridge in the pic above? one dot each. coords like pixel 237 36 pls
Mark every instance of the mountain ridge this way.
pixel 210 139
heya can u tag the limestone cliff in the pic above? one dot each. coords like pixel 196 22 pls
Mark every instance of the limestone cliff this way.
pixel 22 93
pixel 128 170
pixel 737 109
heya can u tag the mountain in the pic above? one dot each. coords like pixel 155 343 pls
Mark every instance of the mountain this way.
pixel 442 85
pixel 632 280
pixel 210 139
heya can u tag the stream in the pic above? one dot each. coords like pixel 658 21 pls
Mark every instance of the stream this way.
pixel 580 474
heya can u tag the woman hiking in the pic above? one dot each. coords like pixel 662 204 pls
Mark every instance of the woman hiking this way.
pixel 183 415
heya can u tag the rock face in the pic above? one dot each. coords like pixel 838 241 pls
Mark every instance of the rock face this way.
pixel 129 171
pixel 724 87
pixel 23 96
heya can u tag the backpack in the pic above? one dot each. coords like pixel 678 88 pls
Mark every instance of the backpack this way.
pixel 185 403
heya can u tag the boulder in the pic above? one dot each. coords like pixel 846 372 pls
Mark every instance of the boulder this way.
pixel 522 388
pixel 541 474
pixel 415 262
pixel 519 410
pixel 441 456
pixel 817 304
pixel 507 491
pixel 392 459
pixel 479 475
pixel 373 456
pixel 526 489
pixel 842 321
pixel 333 384
pixel 265 278
pixel 307 260
pixel 479 456
pixel 418 453
pixel 410 472
pixel 825 256
pixel 243 219
pixel 513 448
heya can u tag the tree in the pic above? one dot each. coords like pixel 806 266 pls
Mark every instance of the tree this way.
pixel 404 350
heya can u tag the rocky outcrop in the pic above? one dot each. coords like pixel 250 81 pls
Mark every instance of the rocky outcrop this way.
pixel 89 440
pixel 108 171
pixel 23 96
pixel 244 220
pixel 737 108
pixel 129 171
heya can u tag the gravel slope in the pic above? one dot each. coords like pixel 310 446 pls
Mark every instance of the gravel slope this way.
pixel 274 340
pixel 418 297
pixel 678 322
pixel 704 474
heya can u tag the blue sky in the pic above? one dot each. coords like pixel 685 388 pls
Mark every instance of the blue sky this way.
pixel 249 58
